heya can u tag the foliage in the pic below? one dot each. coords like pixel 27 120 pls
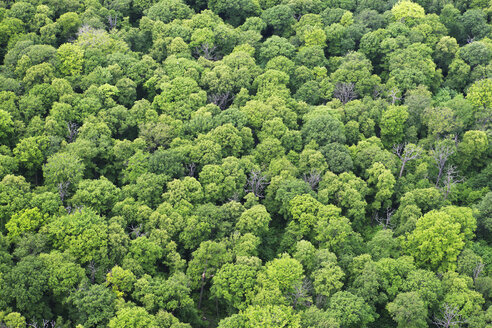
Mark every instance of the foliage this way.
pixel 245 163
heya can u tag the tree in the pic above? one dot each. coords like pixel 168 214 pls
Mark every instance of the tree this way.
pixel 383 245
pixel 132 317
pixel 426 284
pixel 436 241
pixel 484 216
pixel 408 12
pixel 6 126
pixel 226 8
pixel 84 234
pixel 323 129
pixel 348 192
pixel 275 46
pixel 476 53
pixel 356 69
pixel 172 294
pixel 169 11
pixel 122 280
pixel 446 49
pixel 25 221
pixel 270 316
pixel 393 125
pixel 281 275
pixel 27 286
pixel 63 274
pixel 14 320
pixel 235 283
pixel 480 95
pixel 14 196
pixel 280 18
pixel 383 182
pixel 207 259
pixel 413 66
pixel 474 24
pixel 30 154
pixel 408 310
pixel 70 59
pixel 350 310
pixel 472 148
pixel 143 255
pixel 327 279
pixel 254 220
pixel 180 97
pixel 337 156
pixel 69 23
pixel 99 195
pixel 449 317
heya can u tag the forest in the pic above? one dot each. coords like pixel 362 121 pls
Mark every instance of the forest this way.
pixel 245 163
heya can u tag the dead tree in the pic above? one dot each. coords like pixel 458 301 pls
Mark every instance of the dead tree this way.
pixel 256 183
pixel 300 293
pixel 450 179
pixel 450 317
pixel 136 231
pixel 477 270
pixel 202 287
pixel 71 210
pixel 385 221
pixel 93 270
pixel 63 189
pixel 73 130
pixel 191 169
pixel 221 99
pixel 406 153
pixel 206 51
pixel 112 21
pixel 45 324
pixel 345 92
pixel 313 179
pixel 393 95
pixel 441 154
pixel 234 197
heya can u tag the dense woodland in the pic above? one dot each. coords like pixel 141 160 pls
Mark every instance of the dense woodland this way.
pixel 245 163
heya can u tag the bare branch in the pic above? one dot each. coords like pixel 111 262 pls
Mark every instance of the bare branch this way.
pixel 71 210
pixel 63 189
pixel 393 95
pixel 406 153
pixel 46 324
pixel 256 183
pixel 137 231
pixel 385 221
pixel 221 99
pixel 450 179
pixel 477 270
pixel 93 269
pixel 313 179
pixel 234 197
pixel 191 169
pixel 73 130
pixel 450 317
pixel 441 154
pixel 207 51
pixel 345 92
pixel 300 292
pixel 112 21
